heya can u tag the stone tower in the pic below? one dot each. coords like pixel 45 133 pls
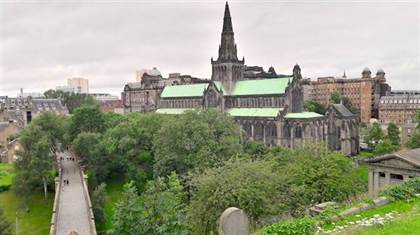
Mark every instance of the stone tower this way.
pixel 227 68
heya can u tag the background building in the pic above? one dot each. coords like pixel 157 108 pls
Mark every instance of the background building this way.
pixel 154 72
pixel 399 108
pixel 143 96
pixel 75 85
pixel 364 92
pixel 80 85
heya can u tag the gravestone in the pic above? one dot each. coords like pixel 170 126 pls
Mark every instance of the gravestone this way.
pixel 233 221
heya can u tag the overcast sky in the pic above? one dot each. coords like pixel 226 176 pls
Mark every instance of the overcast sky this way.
pixel 42 43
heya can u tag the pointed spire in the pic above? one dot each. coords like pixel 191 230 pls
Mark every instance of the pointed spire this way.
pixel 227 20
pixel 344 74
pixel 227 48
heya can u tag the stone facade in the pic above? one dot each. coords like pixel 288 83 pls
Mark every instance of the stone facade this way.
pixel 22 110
pixel 392 169
pixel 364 92
pixel 267 106
pixel 399 108
pixel 143 96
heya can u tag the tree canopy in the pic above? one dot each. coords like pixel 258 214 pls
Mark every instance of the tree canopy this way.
pixel 196 139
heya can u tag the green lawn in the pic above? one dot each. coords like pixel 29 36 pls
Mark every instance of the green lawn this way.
pixel 114 190
pixel 407 223
pixel 37 221
pixel 401 207
pixel 6 174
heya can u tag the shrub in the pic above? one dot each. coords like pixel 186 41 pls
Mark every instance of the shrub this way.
pixel 303 226
pixel 404 191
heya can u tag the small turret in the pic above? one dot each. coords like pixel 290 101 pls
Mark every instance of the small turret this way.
pixel 380 73
pixel 366 73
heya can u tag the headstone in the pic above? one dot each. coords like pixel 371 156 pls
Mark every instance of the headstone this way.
pixel 233 221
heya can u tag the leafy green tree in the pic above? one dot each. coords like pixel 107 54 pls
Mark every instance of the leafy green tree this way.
pixel 130 146
pixel 393 134
pixel 53 125
pixel 86 118
pixel 414 141
pixel 89 148
pixel 5 225
pixel 35 158
pixel 335 97
pixel 70 99
pixel 384 146
pixel 163 207
pixel 98 204
pixel 250 185
pixel 127 213
pixel 195 139
pixel 313 106
pixel 374 135
pixel 314 174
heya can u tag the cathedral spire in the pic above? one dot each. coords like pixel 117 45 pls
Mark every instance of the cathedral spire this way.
pixel 227 48
pixel 227 20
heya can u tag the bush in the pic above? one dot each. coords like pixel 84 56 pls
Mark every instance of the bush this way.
pixel 303 226
pixel 4 188
pixel 404 191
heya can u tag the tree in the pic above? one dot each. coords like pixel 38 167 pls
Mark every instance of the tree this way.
pixel 127 213
pixel 385 146
pixel 98 203
pixel 314 174
pixel 88 146
pixel 393 134
pixel 250 185
pixel 313 106
pixel 195 139
pixel 53 125
pixel 414 141
pixel 70 99
pixel 86 118
pixel 5 225
pixel 335 97
pixel 163 207
pixel 374 135
pixel 35 158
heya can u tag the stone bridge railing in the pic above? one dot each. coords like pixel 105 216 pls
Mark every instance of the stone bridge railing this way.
pixel 56 206
pixel 84 179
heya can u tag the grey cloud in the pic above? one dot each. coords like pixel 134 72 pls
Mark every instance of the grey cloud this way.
pixel 43 43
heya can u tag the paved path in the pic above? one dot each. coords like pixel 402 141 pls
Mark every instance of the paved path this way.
pixel 73 212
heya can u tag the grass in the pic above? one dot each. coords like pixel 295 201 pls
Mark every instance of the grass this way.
pixel 400 207
pixel 114 190
pixel 6 174
pixel 408 223
pixel 37 221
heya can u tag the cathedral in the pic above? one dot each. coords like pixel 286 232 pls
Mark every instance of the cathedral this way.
pixel 268 106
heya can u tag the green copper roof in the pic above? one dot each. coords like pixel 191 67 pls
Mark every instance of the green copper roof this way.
pixel 254 112
pixel 193 90
pixel 261 87
pixel 303 115
pixel 171 111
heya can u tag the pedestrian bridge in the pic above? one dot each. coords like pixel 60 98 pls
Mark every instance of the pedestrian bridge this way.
pixel 72 211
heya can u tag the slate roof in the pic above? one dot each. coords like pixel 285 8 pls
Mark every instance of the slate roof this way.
pixel 303 115
pixel 411 156
pixel 341 109
pixel 191 90
pixel 254 112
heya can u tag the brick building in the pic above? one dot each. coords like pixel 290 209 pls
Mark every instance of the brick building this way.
pixel 364 92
